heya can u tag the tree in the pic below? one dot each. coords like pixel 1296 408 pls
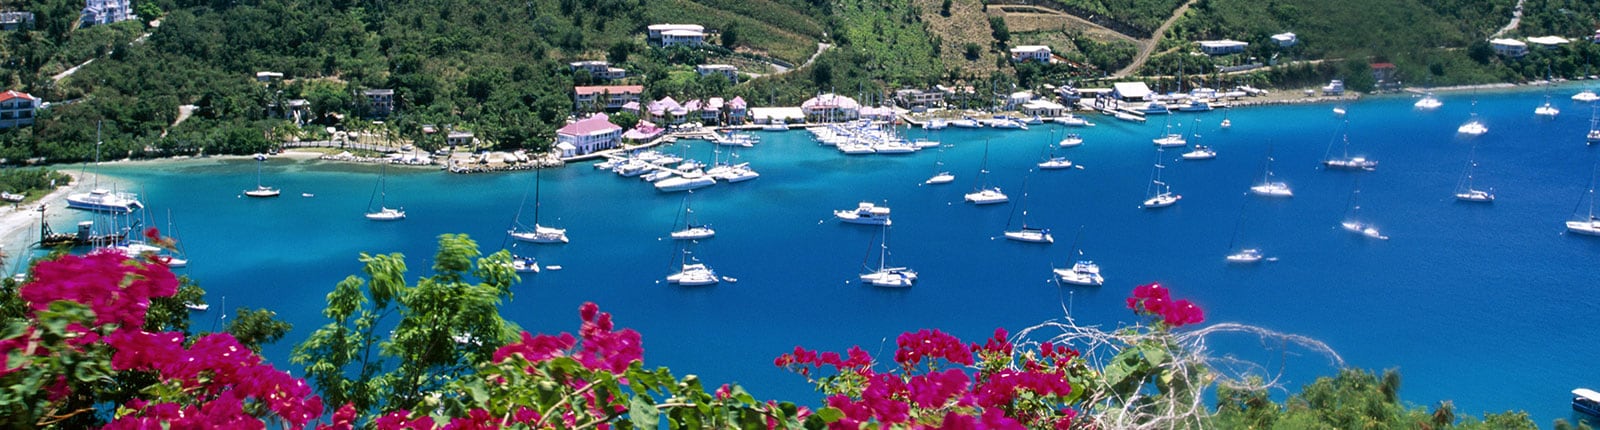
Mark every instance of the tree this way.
pixel 730 36
pixel 626 120
pixel 972 51
pixel 944 9
pixel 618 53
pixel 443 325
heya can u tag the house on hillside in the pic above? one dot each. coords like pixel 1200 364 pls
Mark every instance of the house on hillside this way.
pixel 380 103
pixel 11 21
pixel 1222 47
pixel 105 12
pixel 1385 75
pixel 1038 53
pixel 665 35
pixel 588 135
pixel 600 70
pixel 1509 47
pixel 1544 42
pixel 605 97
pixel 299 111
pixel 265 77
pixel 732 73
pixel 17 109
pixel 1285 40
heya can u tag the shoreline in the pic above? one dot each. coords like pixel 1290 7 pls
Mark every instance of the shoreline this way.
pixel 17 219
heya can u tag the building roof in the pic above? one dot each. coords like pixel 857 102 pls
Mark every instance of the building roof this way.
pixel 597 124
pixel 14 94
pixel 268 75
pixel 715 103
pixel 611 89
pixel 683 33
pixel 716 67
pixel 830 101
pixel 1507 42
pixel 1042 104
pixel 1283 36
pixel 460 134
pixel 737 103
pixel 1549 40
pixel 1382 65
pixel 590 63
pixel 1030 48
pixel 1224 43
pixel 1132 89
pixel 378 92
pixel 670 27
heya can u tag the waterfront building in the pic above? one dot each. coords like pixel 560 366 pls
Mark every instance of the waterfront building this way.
pixel 379 102
pixel 738 111
pixel 1042 108
pixel 1130 91
pixel 459 138
pixel 17 109
pixel 588 135
pixel 299 111
pixel 830 108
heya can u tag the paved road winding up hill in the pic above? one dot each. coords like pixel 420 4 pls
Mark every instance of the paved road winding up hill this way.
pixel 1155 40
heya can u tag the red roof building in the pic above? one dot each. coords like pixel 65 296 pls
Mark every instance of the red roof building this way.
pixel 17 109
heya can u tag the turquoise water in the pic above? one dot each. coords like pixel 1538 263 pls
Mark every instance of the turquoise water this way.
pixel 1483 304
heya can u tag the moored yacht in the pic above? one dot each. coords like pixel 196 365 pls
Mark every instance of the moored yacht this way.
pixel 694 275
pixel 1585 96
pixel 1428 102
pixel 103 200
pixel 1070 140
pixel 1546 109
pixel 1083 272
pixel 1269 187
pixel 1200 152
pixel 1055 163
pixel 1364 229
pixel 1160 193
pixel 864 213
pixel 1246 256
pixel 887 276
pixel 687 181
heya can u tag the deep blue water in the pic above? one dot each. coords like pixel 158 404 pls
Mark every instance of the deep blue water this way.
pixel 1487 305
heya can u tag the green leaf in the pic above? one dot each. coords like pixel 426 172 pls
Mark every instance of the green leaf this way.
pixel 642 413
pixel 830 414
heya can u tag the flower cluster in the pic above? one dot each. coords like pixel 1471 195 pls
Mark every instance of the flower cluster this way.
pixel 603 348
pixel 216 381
pixel 1155 300
pixel 954 397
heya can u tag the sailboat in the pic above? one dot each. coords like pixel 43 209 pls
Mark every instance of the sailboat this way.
pixel 985 194
pixel 1226 123
pixel 1590 224
pixel 384 212
pixel 1352 221
pixel 1464 188
pixel 1160 193
pixel 1083 271
pixel 1056 161
pixel 1473 127
pixel 1345 161
pixel 1239 255
pixel 887 276
pixel 692 231
pixel 261 190
pixel 539 233
pixel 1594 125
pixel 1170 139
pixel 692 273
pixel 1547 109
pixel 1269 187
pixel 1200 152
pixel 1028 233
pixel 100 199
pixel 1428 102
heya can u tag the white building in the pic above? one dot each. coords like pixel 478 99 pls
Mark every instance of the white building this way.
pixel 665 35
pixel 918 100
pixel 1509 47
pixel 268 76
pixel 600 69
pixel 831 108
pixel 614 96
pixel 588 135
pixel 1016 99
pixel 17 109
pixel 1222 47
pixel 1548 41
pixel 722 69
pixel 1130 91
pixel 106 11
pixel 1285 40
pixel 1042 108
pixel 1038 53
pixel 379 102
pixel 459 138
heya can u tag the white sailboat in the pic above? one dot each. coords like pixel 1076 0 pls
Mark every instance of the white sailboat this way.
pixel 940 176
pixel 381 195
pixel 886 275
pixel 1547 109
pixel 1594 125
pixel 1585 96
pixel 985 194
pixel 539 233
pixel 1083 272
pixel 1465 191
pixel 1589 224
pixel 1353 222
pixel 1428 102
pixel 1473 127
pixel 1027 233
pixel 1053 161
pixel 1160 194
pixel 1345 161
pixel 1269 187
pixel 1226 123
pixel 691 272
pixel 1238 254
pixel 690 230
pixel 261 190
pixel 1201 151
pixel 1170 139
pixel 1071 140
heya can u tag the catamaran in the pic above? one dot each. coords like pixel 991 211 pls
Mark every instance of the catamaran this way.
pixel 261 190
pixel 985 194
pixel 1269 187
pixel 1428 102
pixel 693 274
pixel 1473 127
pixel 1160 194
pixel 539 233
pixel 887 276
pixel 1464 188
pixel 1345 161
pixel 692 231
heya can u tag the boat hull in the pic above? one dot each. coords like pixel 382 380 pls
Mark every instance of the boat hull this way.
pixel 986 197
pixel 1587 228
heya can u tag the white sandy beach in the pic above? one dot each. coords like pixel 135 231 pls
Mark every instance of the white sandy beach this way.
pixel 19 223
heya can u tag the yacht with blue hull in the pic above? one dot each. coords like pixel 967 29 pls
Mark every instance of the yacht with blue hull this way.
pixel 1586 401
